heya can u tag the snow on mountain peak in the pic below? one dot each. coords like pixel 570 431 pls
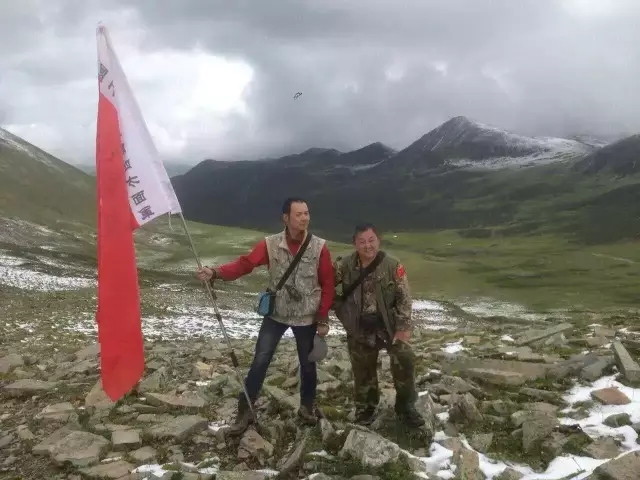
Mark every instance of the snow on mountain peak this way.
pixel 464 142
pixel 460 130
pixel 14 142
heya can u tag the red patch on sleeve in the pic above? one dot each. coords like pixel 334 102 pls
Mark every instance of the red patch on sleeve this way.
pixel 400 272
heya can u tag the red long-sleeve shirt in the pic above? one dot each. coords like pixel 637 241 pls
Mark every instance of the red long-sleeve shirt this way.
pixel 259 256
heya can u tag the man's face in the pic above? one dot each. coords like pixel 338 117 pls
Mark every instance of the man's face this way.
pixel 367 244
pixel 298 217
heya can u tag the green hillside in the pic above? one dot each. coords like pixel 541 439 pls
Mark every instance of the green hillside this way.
pixel 48 217
pixel 38 187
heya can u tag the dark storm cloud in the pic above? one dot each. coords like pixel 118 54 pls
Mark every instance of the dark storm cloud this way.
pixel 537 67
pixel 369 70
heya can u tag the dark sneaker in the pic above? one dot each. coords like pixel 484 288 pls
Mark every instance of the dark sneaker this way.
pixel 309 415
pixel 365 417
pixel 244 418
pixel 410 417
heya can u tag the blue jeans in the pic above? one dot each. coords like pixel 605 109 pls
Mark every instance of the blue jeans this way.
pixel 268 339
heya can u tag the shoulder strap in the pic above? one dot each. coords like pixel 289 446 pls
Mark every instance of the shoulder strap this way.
pixel 364 274
pixel 294 262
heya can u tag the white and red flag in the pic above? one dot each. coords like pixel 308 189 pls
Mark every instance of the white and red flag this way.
pixel 133 188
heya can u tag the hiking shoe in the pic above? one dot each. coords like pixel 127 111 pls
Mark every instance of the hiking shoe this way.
pixel 410 417
pixel 365 417
pixel 244 418
pixel 309 415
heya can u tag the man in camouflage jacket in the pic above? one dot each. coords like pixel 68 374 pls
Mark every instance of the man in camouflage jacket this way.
pixel 376 315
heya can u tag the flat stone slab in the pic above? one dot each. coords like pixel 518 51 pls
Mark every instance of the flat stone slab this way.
pixel 81 449
pixel 627 364
pixel 610 396
pixel 179 428
pixel 45 446
pixel 539 335
pixel 9 362
pixel 496 377
pixel 123 440
pixel 97 398
pixel 60 412
pixel 625 467
pixel 116 470
pixel 187 402
pixel 27 387
pixel 462 363
pixel 282 397
pixel 595 370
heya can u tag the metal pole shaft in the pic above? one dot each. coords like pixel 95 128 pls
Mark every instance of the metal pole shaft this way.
pixel 212 296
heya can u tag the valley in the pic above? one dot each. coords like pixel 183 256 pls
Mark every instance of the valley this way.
pixel 523 266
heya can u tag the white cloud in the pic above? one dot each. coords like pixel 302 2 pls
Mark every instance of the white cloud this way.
pixel 216 79
pixel 185 96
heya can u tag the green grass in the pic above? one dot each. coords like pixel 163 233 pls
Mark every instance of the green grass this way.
pixel 541 271
pixel 44 191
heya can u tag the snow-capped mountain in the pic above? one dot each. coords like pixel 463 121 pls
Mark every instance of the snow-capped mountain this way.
pixel 461 142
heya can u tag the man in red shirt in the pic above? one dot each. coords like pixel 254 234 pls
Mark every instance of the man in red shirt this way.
pixel 302 304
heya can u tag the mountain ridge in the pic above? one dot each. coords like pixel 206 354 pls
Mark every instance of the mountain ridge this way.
pixel 587 194
pixel 462 175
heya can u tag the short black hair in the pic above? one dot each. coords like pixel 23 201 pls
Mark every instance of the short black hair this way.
pixel 363 227
pixel 286 206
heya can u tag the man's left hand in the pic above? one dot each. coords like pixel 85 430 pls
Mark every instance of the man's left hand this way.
pixel 323 329
pixel 403 336
pixel 323 326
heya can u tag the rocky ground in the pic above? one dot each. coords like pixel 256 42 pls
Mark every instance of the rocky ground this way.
pixel 501 401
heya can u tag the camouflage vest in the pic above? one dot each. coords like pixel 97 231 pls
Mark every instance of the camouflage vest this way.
pixel 384 275
pixel 304 278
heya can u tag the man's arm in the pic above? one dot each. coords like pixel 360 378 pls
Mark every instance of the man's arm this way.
pixel 244 264
pixel 403 300
pixel 337 272
pixel 327 284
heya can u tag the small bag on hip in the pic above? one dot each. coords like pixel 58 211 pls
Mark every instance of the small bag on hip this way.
pixel 267 299
pixel 266 303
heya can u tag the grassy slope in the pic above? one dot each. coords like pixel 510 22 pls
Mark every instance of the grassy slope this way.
pixel 44 190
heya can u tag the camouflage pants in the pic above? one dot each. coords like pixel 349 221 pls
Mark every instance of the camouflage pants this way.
pixel 364 362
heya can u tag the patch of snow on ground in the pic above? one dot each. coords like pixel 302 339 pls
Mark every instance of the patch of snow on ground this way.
pixel 566 467
pixel 432 315
pixel 428 305
pixel 157 471
pixel 52 262
pixel 593 424
pixel 185 322
pixel 454 347
pixel 490 308
pixel 9 261
pixel 22 232
pixel 189 265
pixel 14 276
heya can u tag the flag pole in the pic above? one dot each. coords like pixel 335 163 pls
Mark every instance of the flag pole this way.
pixel 212 297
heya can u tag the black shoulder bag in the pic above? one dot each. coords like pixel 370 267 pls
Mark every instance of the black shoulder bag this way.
pixel 363 274
pixel 267 299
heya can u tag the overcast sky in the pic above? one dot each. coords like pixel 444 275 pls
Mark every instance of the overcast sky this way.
pixel 216 78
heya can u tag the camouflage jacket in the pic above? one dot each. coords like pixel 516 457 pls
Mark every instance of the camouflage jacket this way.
pixel 386 291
